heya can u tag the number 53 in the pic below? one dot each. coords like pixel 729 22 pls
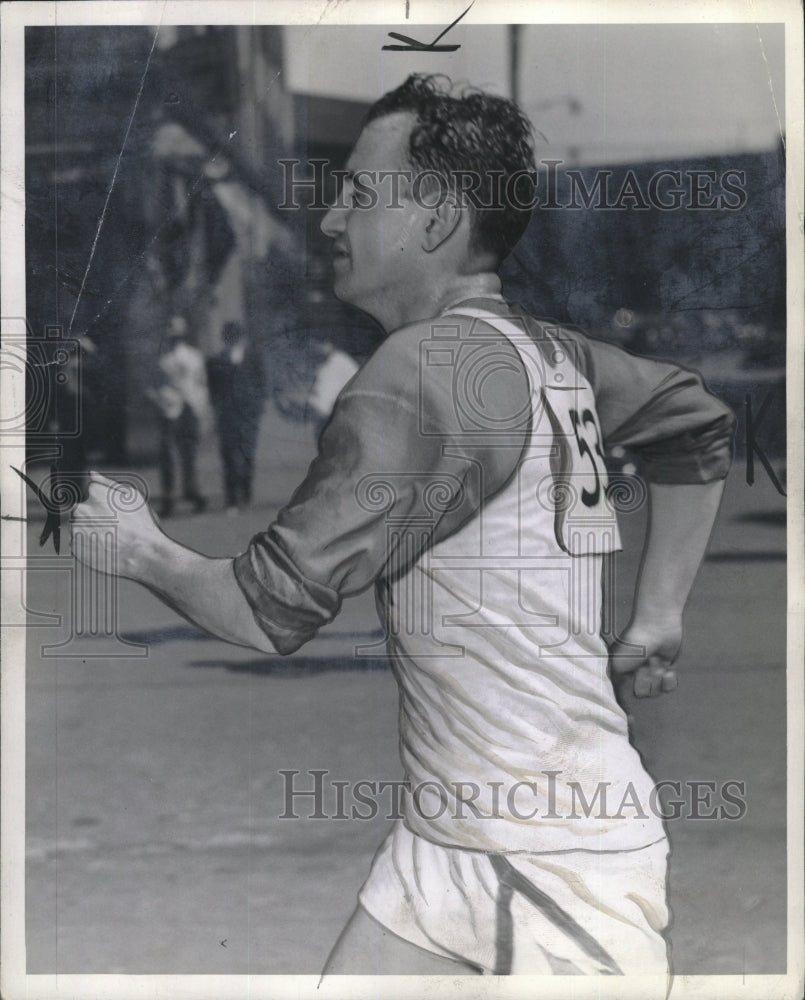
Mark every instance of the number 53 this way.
pixel 588 441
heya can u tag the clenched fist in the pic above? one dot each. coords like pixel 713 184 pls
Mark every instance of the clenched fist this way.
pixel 647 652
pixel 119 506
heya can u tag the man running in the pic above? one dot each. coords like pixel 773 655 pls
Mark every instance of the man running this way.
pixel 462 474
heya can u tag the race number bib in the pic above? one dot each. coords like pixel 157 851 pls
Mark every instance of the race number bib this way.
pixel 575 489
pixel 585 521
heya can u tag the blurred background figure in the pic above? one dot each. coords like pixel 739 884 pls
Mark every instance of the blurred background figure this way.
pixel 333 374
pixel 182 402
pixel 237 384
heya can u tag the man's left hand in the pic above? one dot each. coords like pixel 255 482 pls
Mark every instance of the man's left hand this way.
pixel 647 653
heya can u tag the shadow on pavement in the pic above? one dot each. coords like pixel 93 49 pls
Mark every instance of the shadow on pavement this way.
pixel 299 666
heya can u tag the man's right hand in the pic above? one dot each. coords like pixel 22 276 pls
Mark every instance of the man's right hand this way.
pixel 136 533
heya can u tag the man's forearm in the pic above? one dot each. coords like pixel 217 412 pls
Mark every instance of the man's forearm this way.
pixel 202 589
pixel 681 518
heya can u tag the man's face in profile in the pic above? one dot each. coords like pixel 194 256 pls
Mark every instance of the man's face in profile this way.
pixel 375 224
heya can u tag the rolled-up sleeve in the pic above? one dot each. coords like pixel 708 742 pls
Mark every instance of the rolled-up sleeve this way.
pixel 329 541
pixel 286 605
pixel 680 430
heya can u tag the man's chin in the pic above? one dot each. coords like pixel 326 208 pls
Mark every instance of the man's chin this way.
pixel 341 290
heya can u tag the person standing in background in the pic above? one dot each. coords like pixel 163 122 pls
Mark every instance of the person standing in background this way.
pixel 182 402
pixel 236 379
pixel 332 375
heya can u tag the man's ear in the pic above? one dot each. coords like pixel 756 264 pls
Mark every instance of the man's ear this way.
pixel 444 219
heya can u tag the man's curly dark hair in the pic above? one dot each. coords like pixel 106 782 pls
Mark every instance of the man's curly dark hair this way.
pixel 471 135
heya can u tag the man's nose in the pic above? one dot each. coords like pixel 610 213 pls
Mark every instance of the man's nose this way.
pixel 333 222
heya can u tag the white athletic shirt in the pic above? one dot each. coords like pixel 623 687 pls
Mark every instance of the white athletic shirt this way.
pixel 494 626
pixel 505 701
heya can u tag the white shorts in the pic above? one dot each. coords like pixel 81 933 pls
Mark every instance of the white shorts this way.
pixel 569 912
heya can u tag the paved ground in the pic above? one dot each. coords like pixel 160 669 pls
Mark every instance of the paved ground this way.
pixel 153 796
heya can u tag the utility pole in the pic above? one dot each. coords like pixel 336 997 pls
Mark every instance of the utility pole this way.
pixel 514 62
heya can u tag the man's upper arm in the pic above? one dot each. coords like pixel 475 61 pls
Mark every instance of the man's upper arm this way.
pixel 396 431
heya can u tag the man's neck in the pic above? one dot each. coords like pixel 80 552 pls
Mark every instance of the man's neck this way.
pixel 428 302
pixel 432 302
pixel 470 286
